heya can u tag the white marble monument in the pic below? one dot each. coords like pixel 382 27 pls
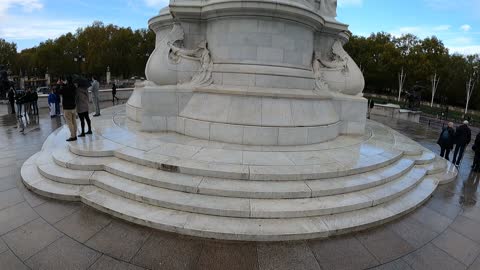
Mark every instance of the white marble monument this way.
pixel 255 73
pixel 251 127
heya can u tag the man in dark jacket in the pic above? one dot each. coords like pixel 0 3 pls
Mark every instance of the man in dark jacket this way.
pixel 446 140
pixel 11 99
pixel 69 92
pixel 463 136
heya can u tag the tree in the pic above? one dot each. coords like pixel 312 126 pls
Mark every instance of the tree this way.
pixel 8 51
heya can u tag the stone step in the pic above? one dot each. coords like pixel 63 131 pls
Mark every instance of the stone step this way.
pixel 439 165
pixel 227 228
pixel 233 188
pixel 230 171
pixel 260 208
pixel 448 175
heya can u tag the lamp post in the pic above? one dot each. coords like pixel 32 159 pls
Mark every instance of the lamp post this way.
pixel 470 87
pixel 79 59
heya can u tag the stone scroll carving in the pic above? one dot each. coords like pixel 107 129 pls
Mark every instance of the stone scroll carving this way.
pixel 172 64
pixel 204 75
pixel 336 71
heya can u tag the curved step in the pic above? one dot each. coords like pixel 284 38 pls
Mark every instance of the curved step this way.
pixel 261 208
pixel 234 188
pixel 447 176
pixel 236 171
pixel 244 229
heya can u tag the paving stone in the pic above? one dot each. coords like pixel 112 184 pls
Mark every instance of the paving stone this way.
pixel 384 244
pixel 395 265
pixel 33 199
pixel 342 254
pixel 475 265
pixel 412 231
pixel 53 211
pixel 458 246
pixel 467 227
pixel 472 213
pixel 432 219
pixel 31 238
pixel 8 261
pixel 286 256
pixel 83 224
pixel 64 253
pixel 120 240
pixel 3 246
pixel 447 206
pixel 108 263
pixel 217 255
pixel 431 257
pixel 7 183
pixel 168 251
pixel 15 216
pixel 9 198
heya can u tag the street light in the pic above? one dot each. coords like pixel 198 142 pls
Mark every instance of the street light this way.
pixel 79 59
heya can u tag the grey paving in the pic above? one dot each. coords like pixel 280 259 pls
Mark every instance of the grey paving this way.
pixel 37 233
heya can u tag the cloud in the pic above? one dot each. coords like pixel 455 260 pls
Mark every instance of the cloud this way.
pixel 26 5
pixel 350 3
pixel 465 50
pixel 155 3
pixel 442 28
pixel 465 27
pixel 27 28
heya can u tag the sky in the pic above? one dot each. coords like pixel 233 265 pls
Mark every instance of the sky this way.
pixel 456 23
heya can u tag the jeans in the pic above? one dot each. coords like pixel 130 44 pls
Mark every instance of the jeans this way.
pixel 35 107
pixel 445 152
pixel 96 102
pixel 84 117
pixel 458 155
pixel 19 109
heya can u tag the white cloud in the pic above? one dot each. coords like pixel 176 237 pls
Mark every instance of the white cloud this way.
pixel 26 5
pixel 17 28
pixel 465 50
pixel 442 28
pixel 348 3
pixel 465 27
pixel 156 3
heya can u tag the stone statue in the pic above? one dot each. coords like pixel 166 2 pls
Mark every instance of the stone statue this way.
pixel 327 8
pixel 339 57
pixel 202 54
pixel 320 83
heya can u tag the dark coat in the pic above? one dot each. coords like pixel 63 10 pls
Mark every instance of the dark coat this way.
pixel 447 143
pixel 476 145
pixel 463 135
pixel 82 100
pixel 69 93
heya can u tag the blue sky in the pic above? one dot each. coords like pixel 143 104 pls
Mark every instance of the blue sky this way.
pixel 457 23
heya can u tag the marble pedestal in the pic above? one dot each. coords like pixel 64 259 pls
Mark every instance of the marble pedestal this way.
pixel 197 187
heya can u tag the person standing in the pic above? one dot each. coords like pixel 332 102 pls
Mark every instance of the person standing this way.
pixel 95 95
pixel 20 100
pixel 114 93
pixel 35 102
pixel 11 100
pixel 52 100
pixel 476 149
pixel 82 107
pixel 446 141
pixel 28 102
pixel 68 92
pixel 463 136
pixel 58 101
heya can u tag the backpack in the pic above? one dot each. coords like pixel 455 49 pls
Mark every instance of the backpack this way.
pixel 445 134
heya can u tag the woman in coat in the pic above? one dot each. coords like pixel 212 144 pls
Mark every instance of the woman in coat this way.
pixel 446 141
pixel 476 149
pixel 82 107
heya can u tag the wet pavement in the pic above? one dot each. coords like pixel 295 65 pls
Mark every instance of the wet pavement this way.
pixel 38 233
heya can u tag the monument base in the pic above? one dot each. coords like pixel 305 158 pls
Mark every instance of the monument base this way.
pixel 248 115
pixel 198 187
